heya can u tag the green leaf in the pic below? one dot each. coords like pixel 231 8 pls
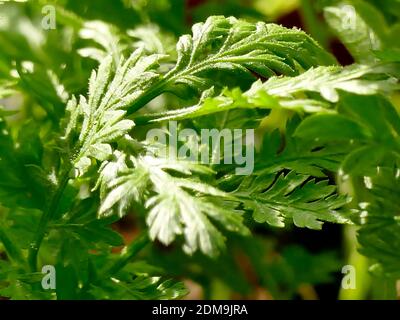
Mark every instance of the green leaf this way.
pixel 83 224
pixel 327 81
pixel 363 159
pixel 325 127
pixel 285 92
pixel 281 151
pixel 379 221
pixel 357 34
pixel 237 46
pixel 100 117
pixel 21 185
pixel 370 123
pixel 365 29
pixel 292 196
pixel 244 46
pixel 177 206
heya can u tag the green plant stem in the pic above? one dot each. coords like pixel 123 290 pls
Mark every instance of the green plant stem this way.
pixel 12 251
pixel 360 264
pixel 44 221
pixel 127 254
pixel 353 257
pixel 169 79
pixel 152 93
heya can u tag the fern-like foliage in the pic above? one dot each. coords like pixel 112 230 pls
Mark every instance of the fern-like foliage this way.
pixel 99 119
pixel 292 196
pixel 371 123
pixel 293 93
pixel 177 205
pixel 64 187
pixel 373 126
pixel 380 226
pixel 229 44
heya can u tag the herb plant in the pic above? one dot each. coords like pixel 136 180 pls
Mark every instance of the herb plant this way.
pixel 76 166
